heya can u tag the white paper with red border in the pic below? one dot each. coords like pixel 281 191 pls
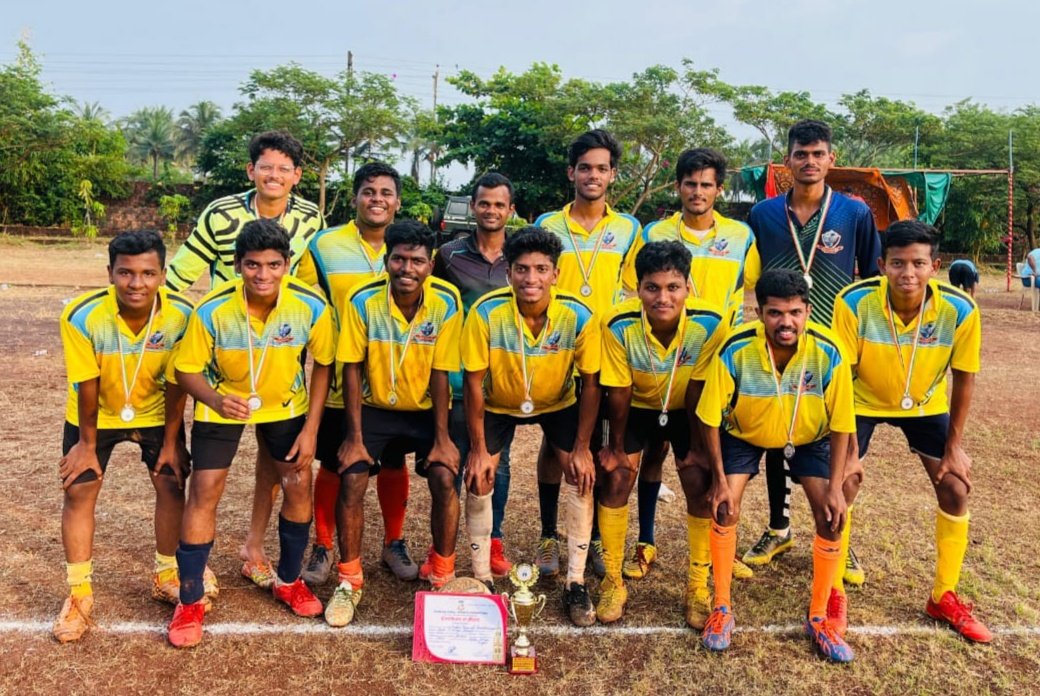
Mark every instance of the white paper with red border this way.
pixel 459 628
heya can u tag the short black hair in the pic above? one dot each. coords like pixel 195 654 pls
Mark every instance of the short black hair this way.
pixel 409 233
pixel 373 169
pixel 281 141
pixel 781 283
pixel 261 235
pixel 532 239
pixel 136 242
pixel 808 131
pixel 906 232
pixel 492 180
pixel 668 255
pixel 697 159
pixel 592 140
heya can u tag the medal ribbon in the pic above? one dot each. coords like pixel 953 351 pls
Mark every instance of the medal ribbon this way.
pixel 675 361
pixel 585 272
pixel 679 233
pixel 395 364
pixel 528 381
pixel 807 264
pixel 779 393
pixel 908 371
pixel 128 386
pixel 254 207
pixel 255 370
pixel 377 267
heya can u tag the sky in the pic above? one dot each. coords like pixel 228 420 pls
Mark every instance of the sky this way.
pixel 126 55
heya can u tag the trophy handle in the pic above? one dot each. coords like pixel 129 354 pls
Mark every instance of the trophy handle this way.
pixel 541 606
pixel 510 610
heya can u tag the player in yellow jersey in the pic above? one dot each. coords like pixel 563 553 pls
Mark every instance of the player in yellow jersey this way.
pixel 779 384
pixel 595 240
pixel 241 360
pixel 521 349
pixel 275 167
pixel 399 340
pixel 656 351
pixel 903 331
pixel 338 260
pixel 724 258
pixel 118 343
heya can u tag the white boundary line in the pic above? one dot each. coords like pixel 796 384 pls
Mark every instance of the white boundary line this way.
pixel 315 628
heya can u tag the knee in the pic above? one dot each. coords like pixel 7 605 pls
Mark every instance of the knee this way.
pixel 441 481
pixel 952 490
pixel 80 494
pixel 823 527
pixel 166 488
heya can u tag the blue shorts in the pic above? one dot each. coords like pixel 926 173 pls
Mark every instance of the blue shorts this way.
pixel 925 434
pixel 740 457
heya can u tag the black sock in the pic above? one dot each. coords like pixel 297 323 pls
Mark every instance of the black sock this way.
pixel 191 564
pixel 549 506
pixel 595 514
pixel 293 538
pixel 646 495
pixel 778 486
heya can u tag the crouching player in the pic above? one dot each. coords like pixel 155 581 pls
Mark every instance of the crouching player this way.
pixel 902 331
pixel 521 347
pixel 118 343
pixel 780 384
pixel 241 361
pixel 656 352
pixel 399 340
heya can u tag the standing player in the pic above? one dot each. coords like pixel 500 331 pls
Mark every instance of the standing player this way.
pixel 521 348
pixel 596 240
pixel 241 360
pixel 118 343
pixel 475 265
pixel 275 167
pixel 656 351
pixel 399 341
pixel 825 236
pixel 903 330
pixel 722 249
pixel 337 260
pixel 779 384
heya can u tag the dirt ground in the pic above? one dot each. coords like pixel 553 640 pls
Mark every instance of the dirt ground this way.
pixel 893 535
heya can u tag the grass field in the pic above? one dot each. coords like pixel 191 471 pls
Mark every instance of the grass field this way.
pixel 265 649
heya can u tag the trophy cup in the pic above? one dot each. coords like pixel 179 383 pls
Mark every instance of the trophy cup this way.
pixel 525 608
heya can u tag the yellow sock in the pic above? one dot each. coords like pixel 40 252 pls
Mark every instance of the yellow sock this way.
pixel 79 577
pixel 698 534
pixel 613 525
pixel 951 541
pixel 165 566
pixel 826 560
pixel 846 533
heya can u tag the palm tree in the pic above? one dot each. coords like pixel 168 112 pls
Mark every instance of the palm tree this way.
pixel 151 134
pixel 192 126
pixel 93 111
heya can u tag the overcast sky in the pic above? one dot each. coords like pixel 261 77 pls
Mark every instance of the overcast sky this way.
pixel 126 55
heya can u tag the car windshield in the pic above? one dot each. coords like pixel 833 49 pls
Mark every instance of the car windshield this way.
pixel 459 208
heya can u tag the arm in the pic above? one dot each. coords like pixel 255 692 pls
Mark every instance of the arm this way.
pixel 479 469
pixel 719 495
pixel 579 467
pixel 302 453
pixel 612 455
pixel 83 455
pixel 352 451
pixel 174 454
pixel 444 450
pixel 227 406
pixel 698 445
pixel 955 460
pixel 868 246
pixel 834 501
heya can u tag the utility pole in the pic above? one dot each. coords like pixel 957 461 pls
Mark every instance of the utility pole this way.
pixel 433 149
pixel 350 79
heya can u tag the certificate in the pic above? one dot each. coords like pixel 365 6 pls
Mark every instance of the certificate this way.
pixel 463 628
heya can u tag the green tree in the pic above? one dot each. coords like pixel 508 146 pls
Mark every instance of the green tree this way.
pixel 151 133
pixel 879 132
pixel 90 213
pixel 192 125
pixel 93 111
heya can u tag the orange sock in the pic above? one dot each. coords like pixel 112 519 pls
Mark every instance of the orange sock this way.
pixel 443 566
pixel 723 549
pixel 392 489
pixel 326 491
pixel 351 572
pixel 826 555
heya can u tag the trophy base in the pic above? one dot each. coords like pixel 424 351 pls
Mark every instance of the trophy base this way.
pixel 522 664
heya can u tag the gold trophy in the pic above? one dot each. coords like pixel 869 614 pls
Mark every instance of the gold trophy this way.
pixel 525 608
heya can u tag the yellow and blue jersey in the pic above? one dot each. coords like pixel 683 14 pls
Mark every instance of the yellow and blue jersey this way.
pixel 569 341
pixel 723 262
pixel 374 332
pixel 89 326
pixel 337 260
pixel 217 346
pixel 951 337
pixel 740 394
pixel 619 232
pixel 633 357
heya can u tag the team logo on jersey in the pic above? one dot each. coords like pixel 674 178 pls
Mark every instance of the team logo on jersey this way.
pixel 830 242
pixel 807 386
pixel 156 341
pixel 928 336
pixel 609 240
pixel 284 334
pixel 426 333
pixel 684 356
pixel 719 248
pixel 553 343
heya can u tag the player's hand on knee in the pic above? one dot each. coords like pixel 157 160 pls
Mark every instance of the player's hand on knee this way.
pixel 176 457
pixel 302 453
pixel 955 462
pixel 834 507
pixel 352 452
pixel 480 474
pixel 611 460
pixel 581 470
pixel 80 458
pixel 445 453
pixel 720 496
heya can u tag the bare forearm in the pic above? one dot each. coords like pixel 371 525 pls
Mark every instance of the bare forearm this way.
pixel 440 393
pixel 588 409
pixel 839 455
pixel 473 404
pixel 352 399
pixel 175 400
pixel 87 404
pixel 960 402
pixel 619 401
pixel 321 375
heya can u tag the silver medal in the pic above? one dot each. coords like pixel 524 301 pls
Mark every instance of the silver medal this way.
pixel 527 407
pixel 907 403
pixel 586 290
pixel 808 280
pixel 392 398
pixel 789 451
pixel 662 419
pixel 254 402
pixel 128 414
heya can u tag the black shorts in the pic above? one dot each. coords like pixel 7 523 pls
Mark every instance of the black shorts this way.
pixel 559 427
pixel 213 445
pixel 643 430
pixel 740 457
pixel 149 439
pixel 332 431
pixel 961 275
pixel 390 435
pixel 926 435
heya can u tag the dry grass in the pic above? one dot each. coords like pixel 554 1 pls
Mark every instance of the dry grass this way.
pixel 893 536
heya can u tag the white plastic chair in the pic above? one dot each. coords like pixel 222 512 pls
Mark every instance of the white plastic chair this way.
pixel 1027 284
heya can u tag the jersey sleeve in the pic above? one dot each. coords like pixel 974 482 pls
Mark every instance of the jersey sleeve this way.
pixel 447 354
pixel 718 389
pixel 81 363
pixel 845 325
pixel 967 343
pixel 752 266
pixel 353 335
pixel 322 339
pixel 476 343
pixel 196 348
pixel 306 270
pixel 614 365
pixel 198 253
pixel 629 281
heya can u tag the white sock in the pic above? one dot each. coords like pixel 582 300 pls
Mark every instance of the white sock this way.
pixel 578 513
pixel 478 524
